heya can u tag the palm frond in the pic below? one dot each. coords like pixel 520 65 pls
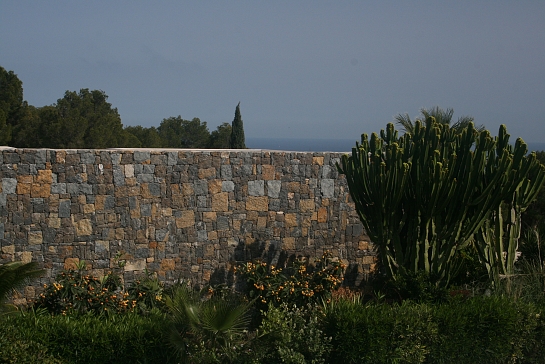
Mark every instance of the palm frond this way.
pixel 14 275
pixel 404 120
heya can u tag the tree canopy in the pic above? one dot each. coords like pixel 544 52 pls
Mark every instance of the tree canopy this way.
pixel 237 132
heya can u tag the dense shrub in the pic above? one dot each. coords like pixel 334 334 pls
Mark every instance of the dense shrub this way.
pixel 291 334
pixel 299 283
pixel 478 330
pixel 122 338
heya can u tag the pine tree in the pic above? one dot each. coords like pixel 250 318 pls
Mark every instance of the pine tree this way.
pixel 237 131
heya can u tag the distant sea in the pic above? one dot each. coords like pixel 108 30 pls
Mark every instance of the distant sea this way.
pixel 323 145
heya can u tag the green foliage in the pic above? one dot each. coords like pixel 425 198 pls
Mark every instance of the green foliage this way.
pixel 36 337
pixel 207 329
pixel 238 141
pixel 299 284
pixel 11 101
pixel 422 197
pixel 220 138
pixel 291 334
pixel 441 116
pixel 14 275
pixel 145 137
pixel 418 287
pixel 176 132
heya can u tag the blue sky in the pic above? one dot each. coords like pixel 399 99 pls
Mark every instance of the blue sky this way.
pixel 302 69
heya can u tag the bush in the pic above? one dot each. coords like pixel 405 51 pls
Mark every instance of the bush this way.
pixel 299 284
pixel 76 293
pixel 291 334
pixel 478 330
pixel 123 338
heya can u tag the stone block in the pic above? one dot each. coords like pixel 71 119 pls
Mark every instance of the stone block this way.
pixel 307 205
pixel 220 201
pixel 257 203
pixel 318 160
pixel 71 263
pixel 227 186
pixel 205 173
pixel 267 172
pixel 256 188
pixel 186 220
pixel 273 188
pixel 168 264
pixel 9 185
pixel 44 177
pixel 290 220
pixel 35 238
pixel 327 187
pixel 83 227
pixel 322 214
pixel 214 186
pixel 135 265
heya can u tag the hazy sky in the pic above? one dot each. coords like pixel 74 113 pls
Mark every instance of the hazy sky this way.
pixel 305 69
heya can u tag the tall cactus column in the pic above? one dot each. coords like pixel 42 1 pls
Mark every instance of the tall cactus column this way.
pixel 424 195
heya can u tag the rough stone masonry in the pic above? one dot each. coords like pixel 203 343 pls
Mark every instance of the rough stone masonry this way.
pixel 178 213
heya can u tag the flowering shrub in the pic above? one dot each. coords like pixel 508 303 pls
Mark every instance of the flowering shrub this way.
pixel 75 292
pixel 300 283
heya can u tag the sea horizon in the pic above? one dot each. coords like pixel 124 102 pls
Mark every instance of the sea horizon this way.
pixel 324 145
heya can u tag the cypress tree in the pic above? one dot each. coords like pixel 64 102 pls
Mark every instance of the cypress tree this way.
pixel 237 131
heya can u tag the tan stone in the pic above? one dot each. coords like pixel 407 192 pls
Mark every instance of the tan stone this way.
pixel 8 249
pixel 187 219
pixel 44 176
pixel 60 156
pixel 306 205
pixel 119 233
pixel 84 227
pixel 39 190
pixel 53 222
pixel 318 160
pixel 363 245
pixel 209 251
pixel 290 220
pixel 214 186
pixel 26 257
pixel 322 214
pixel 23 188
pixel 168 264
pixel 187 189
pixel 105 245
pixel 294 186
pixel 133 265
pixel 212 235
pixel 288 243
pixel 88 208
pixel 220 201
pixel 99 202
pixel 209 216
pixel 71 263
pixel 205 173
pixel 257 203
pixel 35 238
pixel 267 172
pixel 369 259
pixel 306 221
pixel 24 179
pixel 262 222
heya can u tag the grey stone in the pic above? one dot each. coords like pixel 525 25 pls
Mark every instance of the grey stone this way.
pixel 64 208
pixel 226 172
pixel 273 188
pixel 87 158
pixel 161 234
pixel 222 223
pixel 327 187
pixel 201 187
pixel 145 209
pixel 149 168
pixel 1 230
pixel 116 158
pixel 227 186
pixel 109 203
pixel 172 158
pixel 9 185
pixel 58 188
pixel 202 235
pixel 119 176
pixel 145 178
pixel 155 189
pixel 256 188
pixel 3 199
pixel 141 156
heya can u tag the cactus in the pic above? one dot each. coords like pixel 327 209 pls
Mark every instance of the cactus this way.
pixel 423 196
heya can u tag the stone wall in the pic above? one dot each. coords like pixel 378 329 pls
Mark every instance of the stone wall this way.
pixel 179 213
